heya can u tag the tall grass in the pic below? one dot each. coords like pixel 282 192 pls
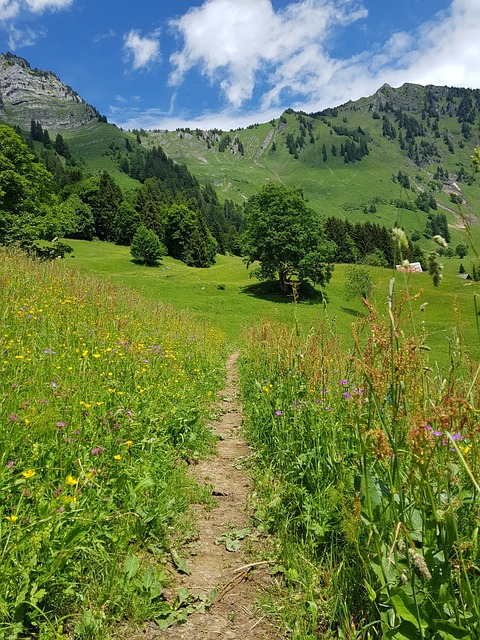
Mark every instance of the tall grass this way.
pixel 369 470
pixel 103 401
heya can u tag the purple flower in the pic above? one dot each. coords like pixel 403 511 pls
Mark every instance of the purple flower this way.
pixel 96 451
pixel 344 381
pixel 278 413
pixel 12 417
pixel 328 408
pixel 457 436
pixel 345 394
pixel 10 464
pixel 50 352
pixel 61 424
pixel 436 433
pixel 54 385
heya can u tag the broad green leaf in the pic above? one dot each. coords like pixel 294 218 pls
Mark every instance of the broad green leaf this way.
pixel 131 565
pixel 180 563
pixel 232 545
pixel 450 631
pixel 406 610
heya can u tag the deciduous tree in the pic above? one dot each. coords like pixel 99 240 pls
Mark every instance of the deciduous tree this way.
pixel 287 239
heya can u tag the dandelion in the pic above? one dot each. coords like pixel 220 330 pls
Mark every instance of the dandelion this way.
pixel 29 473
pixel 129 443
pixel 467 450
pixel 71 480
pixel 117 457
pixel 13 518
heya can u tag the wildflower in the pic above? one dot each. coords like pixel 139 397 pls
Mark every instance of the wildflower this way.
pixel 12 518
pixel 10 464
pixel 420 564
pixel 71 480
pixel 96 451
pixel 400 239
pixel 344 382
pixel 129 443
pixel 278 413
pixel 441 241
pixel 345 394
pixel 467 450
pixel 96 355
pixel 61 424
pixel 12 417
pixel 54 385
pixel 117 457
pixel 28 474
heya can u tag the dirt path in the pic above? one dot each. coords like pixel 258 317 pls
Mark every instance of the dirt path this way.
pixel 233 614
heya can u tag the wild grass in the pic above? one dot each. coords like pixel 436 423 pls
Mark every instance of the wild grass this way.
pixel 103 399
pixel 368 471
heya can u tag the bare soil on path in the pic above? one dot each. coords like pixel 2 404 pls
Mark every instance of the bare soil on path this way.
pixel 238 578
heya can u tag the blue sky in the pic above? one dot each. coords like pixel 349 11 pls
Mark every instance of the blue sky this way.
pixel 227 63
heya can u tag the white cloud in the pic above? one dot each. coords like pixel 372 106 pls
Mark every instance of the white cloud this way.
pixel 9 9
pixel 264 61
pixel 144 50
pixel 39 6
pixel 25 37
pixel 234 43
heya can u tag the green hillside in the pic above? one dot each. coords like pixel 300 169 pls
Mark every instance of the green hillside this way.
pixel 426 132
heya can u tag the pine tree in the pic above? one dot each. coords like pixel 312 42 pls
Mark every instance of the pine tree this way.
pixel 146 247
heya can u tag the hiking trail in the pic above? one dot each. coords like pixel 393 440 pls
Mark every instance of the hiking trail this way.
pixel 237 577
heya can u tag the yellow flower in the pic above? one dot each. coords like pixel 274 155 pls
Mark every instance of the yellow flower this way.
pixel 28 474
pixel 12 518
pixel 117 457
pixel 71 480
pixel 96 355
pixel 129 443
pixel 467 449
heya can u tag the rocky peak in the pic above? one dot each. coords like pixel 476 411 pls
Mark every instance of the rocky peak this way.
pixel 28 94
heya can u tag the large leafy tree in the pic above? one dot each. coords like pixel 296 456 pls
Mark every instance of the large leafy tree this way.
pixel 287 239
pixel 26 193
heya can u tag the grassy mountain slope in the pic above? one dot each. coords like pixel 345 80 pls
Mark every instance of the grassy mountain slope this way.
pixel 426 133
pixel 349 189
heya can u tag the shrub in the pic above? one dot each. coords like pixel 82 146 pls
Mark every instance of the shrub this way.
pixel 146 247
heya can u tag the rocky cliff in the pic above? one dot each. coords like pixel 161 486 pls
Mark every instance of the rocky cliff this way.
pixel 28 94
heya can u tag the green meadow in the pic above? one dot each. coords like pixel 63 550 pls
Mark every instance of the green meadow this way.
pixel 363 423
pixel 104 402
pixel 226 296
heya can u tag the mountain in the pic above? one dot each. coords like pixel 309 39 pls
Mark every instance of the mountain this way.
pixel 394 157
pixel 27 94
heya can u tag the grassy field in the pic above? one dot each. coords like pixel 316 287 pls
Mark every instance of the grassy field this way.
pixel 225 295
pixel 104 401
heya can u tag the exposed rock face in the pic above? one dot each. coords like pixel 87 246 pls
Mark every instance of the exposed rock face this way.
pixel 28 94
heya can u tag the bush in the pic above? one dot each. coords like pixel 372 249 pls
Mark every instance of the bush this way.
pixel 146 247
